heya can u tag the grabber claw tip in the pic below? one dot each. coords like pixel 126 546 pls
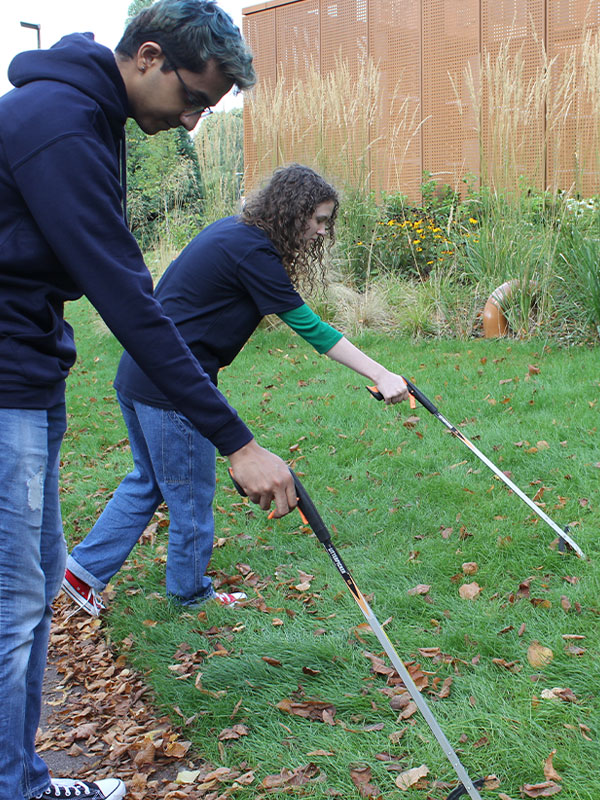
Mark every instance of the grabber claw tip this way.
pixel 460 789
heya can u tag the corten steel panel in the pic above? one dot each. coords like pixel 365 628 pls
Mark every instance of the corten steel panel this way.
pixel 298 40
pixel 395 43
pixel 512 111
pixel 344 33
pixel 573 144
pixel 298 62
pixel 567 18
pixel 417 44
pixel 449 132
pixel 260 33
pixel 346 126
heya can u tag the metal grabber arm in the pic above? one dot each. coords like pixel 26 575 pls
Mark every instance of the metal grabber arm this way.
pixel 414 392
pixel 312 518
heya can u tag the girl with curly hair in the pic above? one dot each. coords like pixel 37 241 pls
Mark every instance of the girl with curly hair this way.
pixel 232 274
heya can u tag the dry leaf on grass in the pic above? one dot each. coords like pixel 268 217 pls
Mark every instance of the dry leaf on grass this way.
pixel 233 733
pixel 546 789
pixel 378 665
pixel 469 591
pixel 361 778
pixel 273 662
pixel 549 772
pixel 558 693
pixel 407 779
pixel 288 778
pixel 584 730
pixel 575 650
pixel 420 588
pixel 309 709
pixel 538 655
pixel 511 666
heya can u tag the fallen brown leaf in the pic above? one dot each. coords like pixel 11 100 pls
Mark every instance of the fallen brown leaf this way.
pixel 512 666
pixel 233 733
pixel 361 778
pixel 538 655
pixel 469 591
pixel 549 772
pixel 420 588
pixel 297 777
pixel 575 650
pixel 378 665
pixel 546 789
pixel 407 779
pixel 309 709
pixel 559 694
pixel 311 671
pixel 273 662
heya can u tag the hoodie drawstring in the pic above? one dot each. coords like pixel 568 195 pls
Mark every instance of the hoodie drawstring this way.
pixel 123 163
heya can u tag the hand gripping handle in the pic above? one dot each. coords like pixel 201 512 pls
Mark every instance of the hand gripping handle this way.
pixel 306 507
pixel 412 390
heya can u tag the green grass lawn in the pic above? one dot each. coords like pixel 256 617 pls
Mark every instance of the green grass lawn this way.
pixel 408 505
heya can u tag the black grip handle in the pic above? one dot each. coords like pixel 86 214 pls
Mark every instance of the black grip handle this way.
pixel 418 395
pixel 412 389
pixel 309 512
pixel 307 508
pixel 236 484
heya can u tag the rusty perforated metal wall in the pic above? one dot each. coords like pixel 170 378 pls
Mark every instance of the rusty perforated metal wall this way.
pixel 443 107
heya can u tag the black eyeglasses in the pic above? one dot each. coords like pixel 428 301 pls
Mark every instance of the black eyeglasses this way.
pixel 196 106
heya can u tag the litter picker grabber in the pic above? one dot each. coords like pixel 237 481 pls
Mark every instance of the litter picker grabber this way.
pixel 563 536
pixel 312 518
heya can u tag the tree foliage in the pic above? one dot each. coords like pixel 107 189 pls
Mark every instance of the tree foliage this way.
pixel 163 184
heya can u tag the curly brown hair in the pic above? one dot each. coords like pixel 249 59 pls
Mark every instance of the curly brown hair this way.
pixel 283 208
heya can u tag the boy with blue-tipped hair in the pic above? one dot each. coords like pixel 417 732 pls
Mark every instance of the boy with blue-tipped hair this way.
pixel 62 235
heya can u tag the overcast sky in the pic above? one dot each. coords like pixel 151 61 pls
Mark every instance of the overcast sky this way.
pixel 105 18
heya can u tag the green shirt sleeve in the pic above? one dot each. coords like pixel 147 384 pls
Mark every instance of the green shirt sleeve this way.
pixel 311 327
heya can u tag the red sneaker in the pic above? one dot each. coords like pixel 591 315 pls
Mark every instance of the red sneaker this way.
pixel 85 597
pixel 229 598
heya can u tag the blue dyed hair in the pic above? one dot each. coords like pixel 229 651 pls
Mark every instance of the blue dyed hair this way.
pixel 191 33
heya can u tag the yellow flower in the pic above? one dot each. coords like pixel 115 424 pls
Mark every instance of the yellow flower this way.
pixel 472 221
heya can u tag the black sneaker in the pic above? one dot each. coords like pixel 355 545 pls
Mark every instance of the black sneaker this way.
pixel 108 789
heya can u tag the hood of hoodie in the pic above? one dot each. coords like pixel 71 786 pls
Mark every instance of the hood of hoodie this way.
pixel 79 61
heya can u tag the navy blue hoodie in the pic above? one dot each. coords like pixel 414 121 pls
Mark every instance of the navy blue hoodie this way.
pixel 62 234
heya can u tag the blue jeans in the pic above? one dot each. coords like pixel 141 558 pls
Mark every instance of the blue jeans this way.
pixel 32 562
pixel 172 462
